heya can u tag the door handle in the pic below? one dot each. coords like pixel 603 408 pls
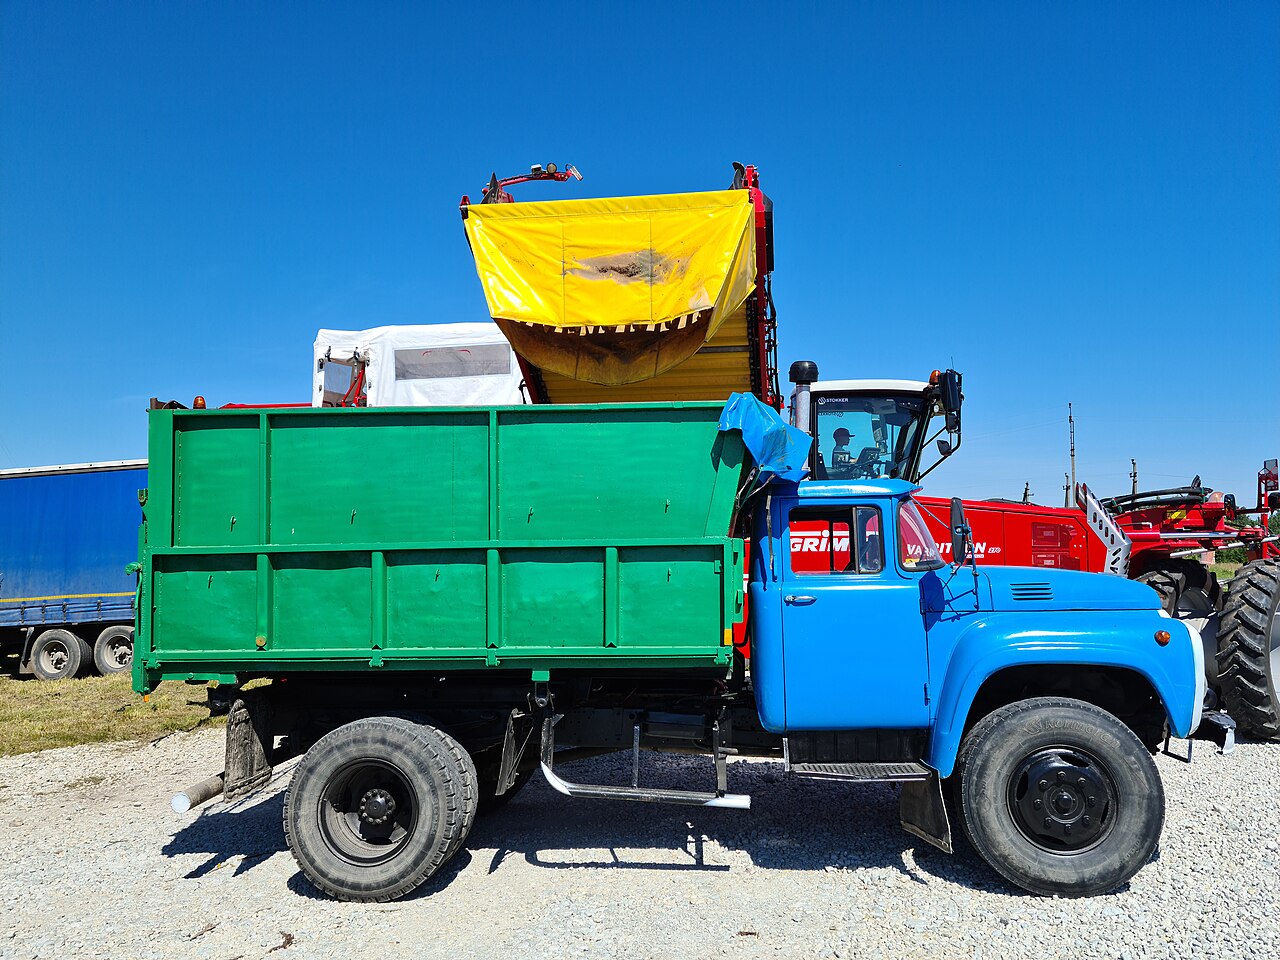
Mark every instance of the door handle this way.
pixel 800 599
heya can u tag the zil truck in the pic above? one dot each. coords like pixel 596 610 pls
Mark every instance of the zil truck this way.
pixel 1153 537
pixel 499 591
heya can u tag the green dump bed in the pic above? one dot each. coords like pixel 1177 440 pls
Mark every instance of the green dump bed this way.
pixel 537 537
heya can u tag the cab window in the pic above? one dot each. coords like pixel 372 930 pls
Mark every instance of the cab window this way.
pixel 916 547
pixel 832 540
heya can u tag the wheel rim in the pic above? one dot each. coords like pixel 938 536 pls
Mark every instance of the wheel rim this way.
pixel 119 652
pixel 1063 800
pixel 368 812
pixel 54 656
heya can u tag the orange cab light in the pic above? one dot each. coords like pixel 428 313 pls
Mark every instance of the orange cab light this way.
pixel 935 377
pixel 197 403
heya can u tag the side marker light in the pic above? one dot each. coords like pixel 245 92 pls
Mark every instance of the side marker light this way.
pixel 1163 637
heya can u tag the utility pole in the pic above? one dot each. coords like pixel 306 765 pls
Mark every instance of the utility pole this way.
pixel 1026 493
pixel 1071 423
pixel 1066 491
pixel 1133 475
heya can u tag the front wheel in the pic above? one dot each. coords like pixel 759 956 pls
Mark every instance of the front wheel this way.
pixel 1059 796
pixel 378 806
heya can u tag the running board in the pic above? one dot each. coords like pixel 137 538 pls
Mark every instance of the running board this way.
pixel 637 793
pixel 863 772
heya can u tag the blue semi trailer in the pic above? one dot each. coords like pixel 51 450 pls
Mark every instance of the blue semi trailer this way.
pixel 66 534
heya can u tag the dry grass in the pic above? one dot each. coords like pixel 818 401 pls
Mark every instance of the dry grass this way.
pixel 37 715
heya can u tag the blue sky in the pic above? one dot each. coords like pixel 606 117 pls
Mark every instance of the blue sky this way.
pixel 1067 202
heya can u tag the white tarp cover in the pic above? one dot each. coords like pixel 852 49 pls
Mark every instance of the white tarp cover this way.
pixel 427 365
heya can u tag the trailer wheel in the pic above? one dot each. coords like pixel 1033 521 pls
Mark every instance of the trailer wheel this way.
pixel 113 650
pixel 1059 796
pixel 59 655
pixel 376 807
pixel 1249 649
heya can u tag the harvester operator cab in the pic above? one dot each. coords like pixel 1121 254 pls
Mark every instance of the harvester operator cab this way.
pixel 876 429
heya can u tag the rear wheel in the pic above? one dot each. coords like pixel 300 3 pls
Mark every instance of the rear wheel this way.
pixel 59 655
pixel 378 806
pixel 1059 796
pixel 1249 649
pixel 113 650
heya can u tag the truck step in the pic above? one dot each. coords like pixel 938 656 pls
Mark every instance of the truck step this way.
pixel 863 772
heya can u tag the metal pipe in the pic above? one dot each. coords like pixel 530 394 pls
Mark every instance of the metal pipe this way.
pixel 198 793
pixel 803 373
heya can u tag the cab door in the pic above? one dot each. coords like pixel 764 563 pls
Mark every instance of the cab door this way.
pixel 854 653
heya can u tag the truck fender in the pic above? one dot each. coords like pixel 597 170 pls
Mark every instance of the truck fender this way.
pixel 1120 639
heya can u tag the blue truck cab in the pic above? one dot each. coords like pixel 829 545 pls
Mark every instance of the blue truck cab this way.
pixel 1039 696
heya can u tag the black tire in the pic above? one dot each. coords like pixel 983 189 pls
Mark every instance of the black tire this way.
pixel 113 650
pixel 378 806
pixel 470 786
pixel 1168 584
pixel 60 655
pixel 1249 649
pixel 1100 795
pixel 1187 589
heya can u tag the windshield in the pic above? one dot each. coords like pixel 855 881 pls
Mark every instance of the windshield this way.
pixel 866 437
pixel 916 547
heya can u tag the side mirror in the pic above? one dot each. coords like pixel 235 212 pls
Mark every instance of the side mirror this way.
pixel 952 399
pixel 951 396
pixel 1273 500
pixel 959 532
pixel 944 447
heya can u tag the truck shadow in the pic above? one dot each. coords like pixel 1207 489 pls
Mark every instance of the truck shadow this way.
pixel 247 831
pixel 793 824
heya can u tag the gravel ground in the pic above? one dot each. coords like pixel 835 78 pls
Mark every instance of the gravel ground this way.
pixel 98 866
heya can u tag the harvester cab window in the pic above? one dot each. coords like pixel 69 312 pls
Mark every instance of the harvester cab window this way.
pixel 821 542
pixel 866 438
pixel 340 384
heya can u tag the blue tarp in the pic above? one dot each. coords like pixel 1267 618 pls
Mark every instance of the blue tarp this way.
pixel 777 447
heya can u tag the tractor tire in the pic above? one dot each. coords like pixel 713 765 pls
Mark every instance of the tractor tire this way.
pixel 60 655
pixel 1187 589
pixel 1059 796
pixel 113 650
pixel 1168 584
pixel 377 807
pixel 1249 649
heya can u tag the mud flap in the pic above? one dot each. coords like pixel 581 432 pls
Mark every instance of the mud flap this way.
pixel 249 745
pixel 513 749
pixel 923 813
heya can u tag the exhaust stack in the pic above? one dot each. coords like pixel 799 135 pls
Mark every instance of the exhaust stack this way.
pixel 803 373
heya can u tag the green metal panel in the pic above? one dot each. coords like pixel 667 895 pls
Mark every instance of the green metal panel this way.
pixel 538 537
pixel 393 478
pixel 217 492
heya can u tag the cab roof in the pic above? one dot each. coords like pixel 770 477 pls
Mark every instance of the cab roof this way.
pixel 827 489
pixel 870 386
